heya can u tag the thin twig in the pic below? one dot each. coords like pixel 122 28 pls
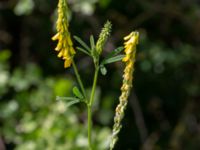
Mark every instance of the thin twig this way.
pixel 138 117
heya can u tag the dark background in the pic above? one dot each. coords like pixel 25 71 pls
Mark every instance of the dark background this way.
pixel 164 108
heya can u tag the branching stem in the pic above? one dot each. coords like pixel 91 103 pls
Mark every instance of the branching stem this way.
pixel 90 107
pixel 79 80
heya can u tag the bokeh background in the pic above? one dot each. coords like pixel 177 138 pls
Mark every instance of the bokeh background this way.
pixel 164 108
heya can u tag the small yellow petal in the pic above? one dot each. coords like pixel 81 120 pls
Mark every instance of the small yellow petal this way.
pixel 59 46
pixel 55 37
pixel 128 50
pixel 128 36
pixel 60 54
pixel 66 53
pixel 67 63
pixel 126 58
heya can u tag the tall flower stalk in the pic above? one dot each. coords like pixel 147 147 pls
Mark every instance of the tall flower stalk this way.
pixel 96 51
pixel 65 46
pixel 66 51
pixel 130 50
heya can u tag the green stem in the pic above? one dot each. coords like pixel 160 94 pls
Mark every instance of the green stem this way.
pixel 94 86
pixel 89 127
pixel 79 79
pixel 90 107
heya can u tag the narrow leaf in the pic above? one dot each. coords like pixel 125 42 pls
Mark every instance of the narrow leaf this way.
pixel 115 52
pixel 83 50
pixel 58 98
pixel 72 103
pixel 82 43
pixel 77 93
pixel 92 43
pixel 112 59
pixel 69 100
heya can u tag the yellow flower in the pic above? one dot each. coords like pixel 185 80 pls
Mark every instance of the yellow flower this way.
pixel 65 46
pixel 130 45
pixel 130 50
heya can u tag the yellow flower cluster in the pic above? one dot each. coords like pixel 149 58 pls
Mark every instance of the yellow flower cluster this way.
pixel 65 45
pixel 130 50
pixel 130 46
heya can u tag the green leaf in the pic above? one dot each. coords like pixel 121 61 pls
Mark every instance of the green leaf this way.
pixel 115 52
pixel 112 59
pixel 82 43
pixel 77 93
pixel 92 42
pixel 103 70
pixel 83 50
pixel 60 98
pixel 69 100
pixel 72 103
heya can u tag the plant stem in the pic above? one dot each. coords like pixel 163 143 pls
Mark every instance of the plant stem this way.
pixel 89 106
pixel 89 126
pixel 79 79
pixel 94 86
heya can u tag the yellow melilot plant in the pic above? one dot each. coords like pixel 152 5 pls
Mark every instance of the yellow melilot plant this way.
pixel 130 51
pixel 66 51
pixel 65 45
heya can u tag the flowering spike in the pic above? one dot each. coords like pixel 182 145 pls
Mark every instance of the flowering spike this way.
pixel 105 33
pixel 65 46
pixel 130 50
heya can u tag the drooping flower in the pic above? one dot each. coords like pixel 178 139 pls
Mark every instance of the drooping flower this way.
pixel 130 51
pixel 65 46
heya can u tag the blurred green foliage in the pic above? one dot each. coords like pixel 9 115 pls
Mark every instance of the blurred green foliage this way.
pixel 31 117
pixel 166 79
pixel 24 7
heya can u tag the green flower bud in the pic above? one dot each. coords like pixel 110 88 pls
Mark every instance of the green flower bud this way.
pixel 105 33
